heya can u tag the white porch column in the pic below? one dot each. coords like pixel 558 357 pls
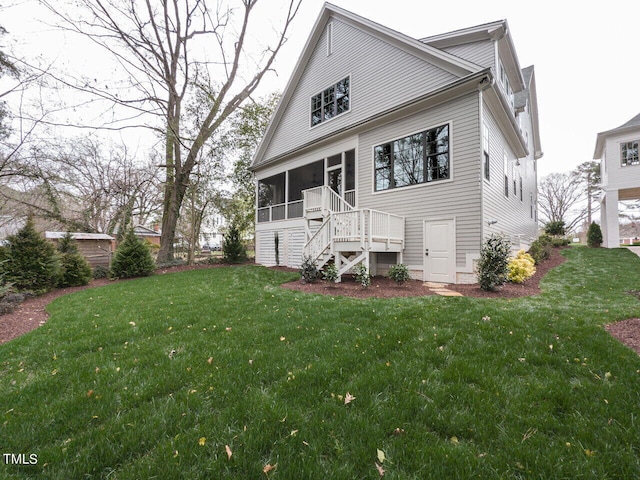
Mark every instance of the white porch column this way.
pixel 609 219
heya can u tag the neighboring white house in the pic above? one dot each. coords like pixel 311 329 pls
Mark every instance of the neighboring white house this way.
pixel 617 150
pixel 387 149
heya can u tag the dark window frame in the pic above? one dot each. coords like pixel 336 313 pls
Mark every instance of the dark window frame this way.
pixel 433 164
pixel 486 156
pixel 625 148
pixel 331 102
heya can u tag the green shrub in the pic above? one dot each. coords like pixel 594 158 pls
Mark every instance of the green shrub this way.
pixel 233 250
pixel 540 249
pixel 521 267
pixel 555 228
pixel 362 275
pixel 9 298
pixel 493 264
pixel 30 261
pixel 594 235
pixel 74 269
pixel 308 270
pixel 100 271
pixel 560 242
pixel 132 258
pixel 399 273
pixel 330 272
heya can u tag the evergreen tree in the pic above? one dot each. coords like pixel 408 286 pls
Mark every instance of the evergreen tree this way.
pixel 594 235
pixel 493 265
pixel 233 248
pixel 30 261
pixel 74 268
pixel 132 258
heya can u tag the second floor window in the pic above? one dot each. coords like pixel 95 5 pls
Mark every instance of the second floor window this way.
pixel 419 158
pixel 330 102
pixel 629 153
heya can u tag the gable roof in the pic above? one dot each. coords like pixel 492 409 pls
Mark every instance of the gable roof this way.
pixel 446 61
pixel 634 122
pixel 630 126
pixel 146 231
pixel 496 31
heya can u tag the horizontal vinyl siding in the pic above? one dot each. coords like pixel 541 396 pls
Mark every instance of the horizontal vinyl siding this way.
pixel 619 177
pixel 480 53
pixel 512 214
pixel 459 198
pixel 382 76
pixel 291 244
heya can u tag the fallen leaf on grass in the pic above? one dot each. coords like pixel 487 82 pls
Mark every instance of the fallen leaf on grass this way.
pixel 348 398
pixel 202 441
pixel 380 469
pixel 210 360
pixel 381 457
pixel 268 467
pixel 229 452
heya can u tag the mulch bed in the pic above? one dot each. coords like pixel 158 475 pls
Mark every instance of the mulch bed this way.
pixel 31 313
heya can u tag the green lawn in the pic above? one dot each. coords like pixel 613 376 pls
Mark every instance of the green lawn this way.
pixel 156 377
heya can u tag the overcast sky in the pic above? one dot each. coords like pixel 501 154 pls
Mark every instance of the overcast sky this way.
pixel 586 58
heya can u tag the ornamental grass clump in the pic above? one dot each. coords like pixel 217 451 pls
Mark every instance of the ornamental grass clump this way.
pixel 521 267
pixel 493 265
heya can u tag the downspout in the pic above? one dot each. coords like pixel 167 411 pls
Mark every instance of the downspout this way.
pixel 487 82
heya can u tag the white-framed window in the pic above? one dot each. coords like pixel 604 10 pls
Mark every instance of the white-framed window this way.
pixel 331 102
pixel 629 153
pixel 419 158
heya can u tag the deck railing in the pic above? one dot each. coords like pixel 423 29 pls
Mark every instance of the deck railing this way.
pixel 363 229
pixel 325 199
pixel 367 226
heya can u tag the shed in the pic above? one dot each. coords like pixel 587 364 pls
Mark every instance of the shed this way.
pixel 97 248
pixel 144 233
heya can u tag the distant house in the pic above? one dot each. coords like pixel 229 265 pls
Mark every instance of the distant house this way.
pixel 144 233
pixel 97 248
pixel 619 155
pixel 387 149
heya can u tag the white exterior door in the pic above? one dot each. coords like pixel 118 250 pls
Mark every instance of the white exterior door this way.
pixel 439 251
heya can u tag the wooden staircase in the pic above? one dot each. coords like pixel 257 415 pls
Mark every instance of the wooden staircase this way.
pixel 336 230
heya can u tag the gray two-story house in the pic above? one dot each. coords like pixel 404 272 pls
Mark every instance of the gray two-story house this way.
pixel 388 149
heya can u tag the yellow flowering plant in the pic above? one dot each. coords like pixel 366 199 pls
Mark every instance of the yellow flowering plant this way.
pixel 521 267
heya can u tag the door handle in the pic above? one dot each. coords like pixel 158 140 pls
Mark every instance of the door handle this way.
pixel 426 252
